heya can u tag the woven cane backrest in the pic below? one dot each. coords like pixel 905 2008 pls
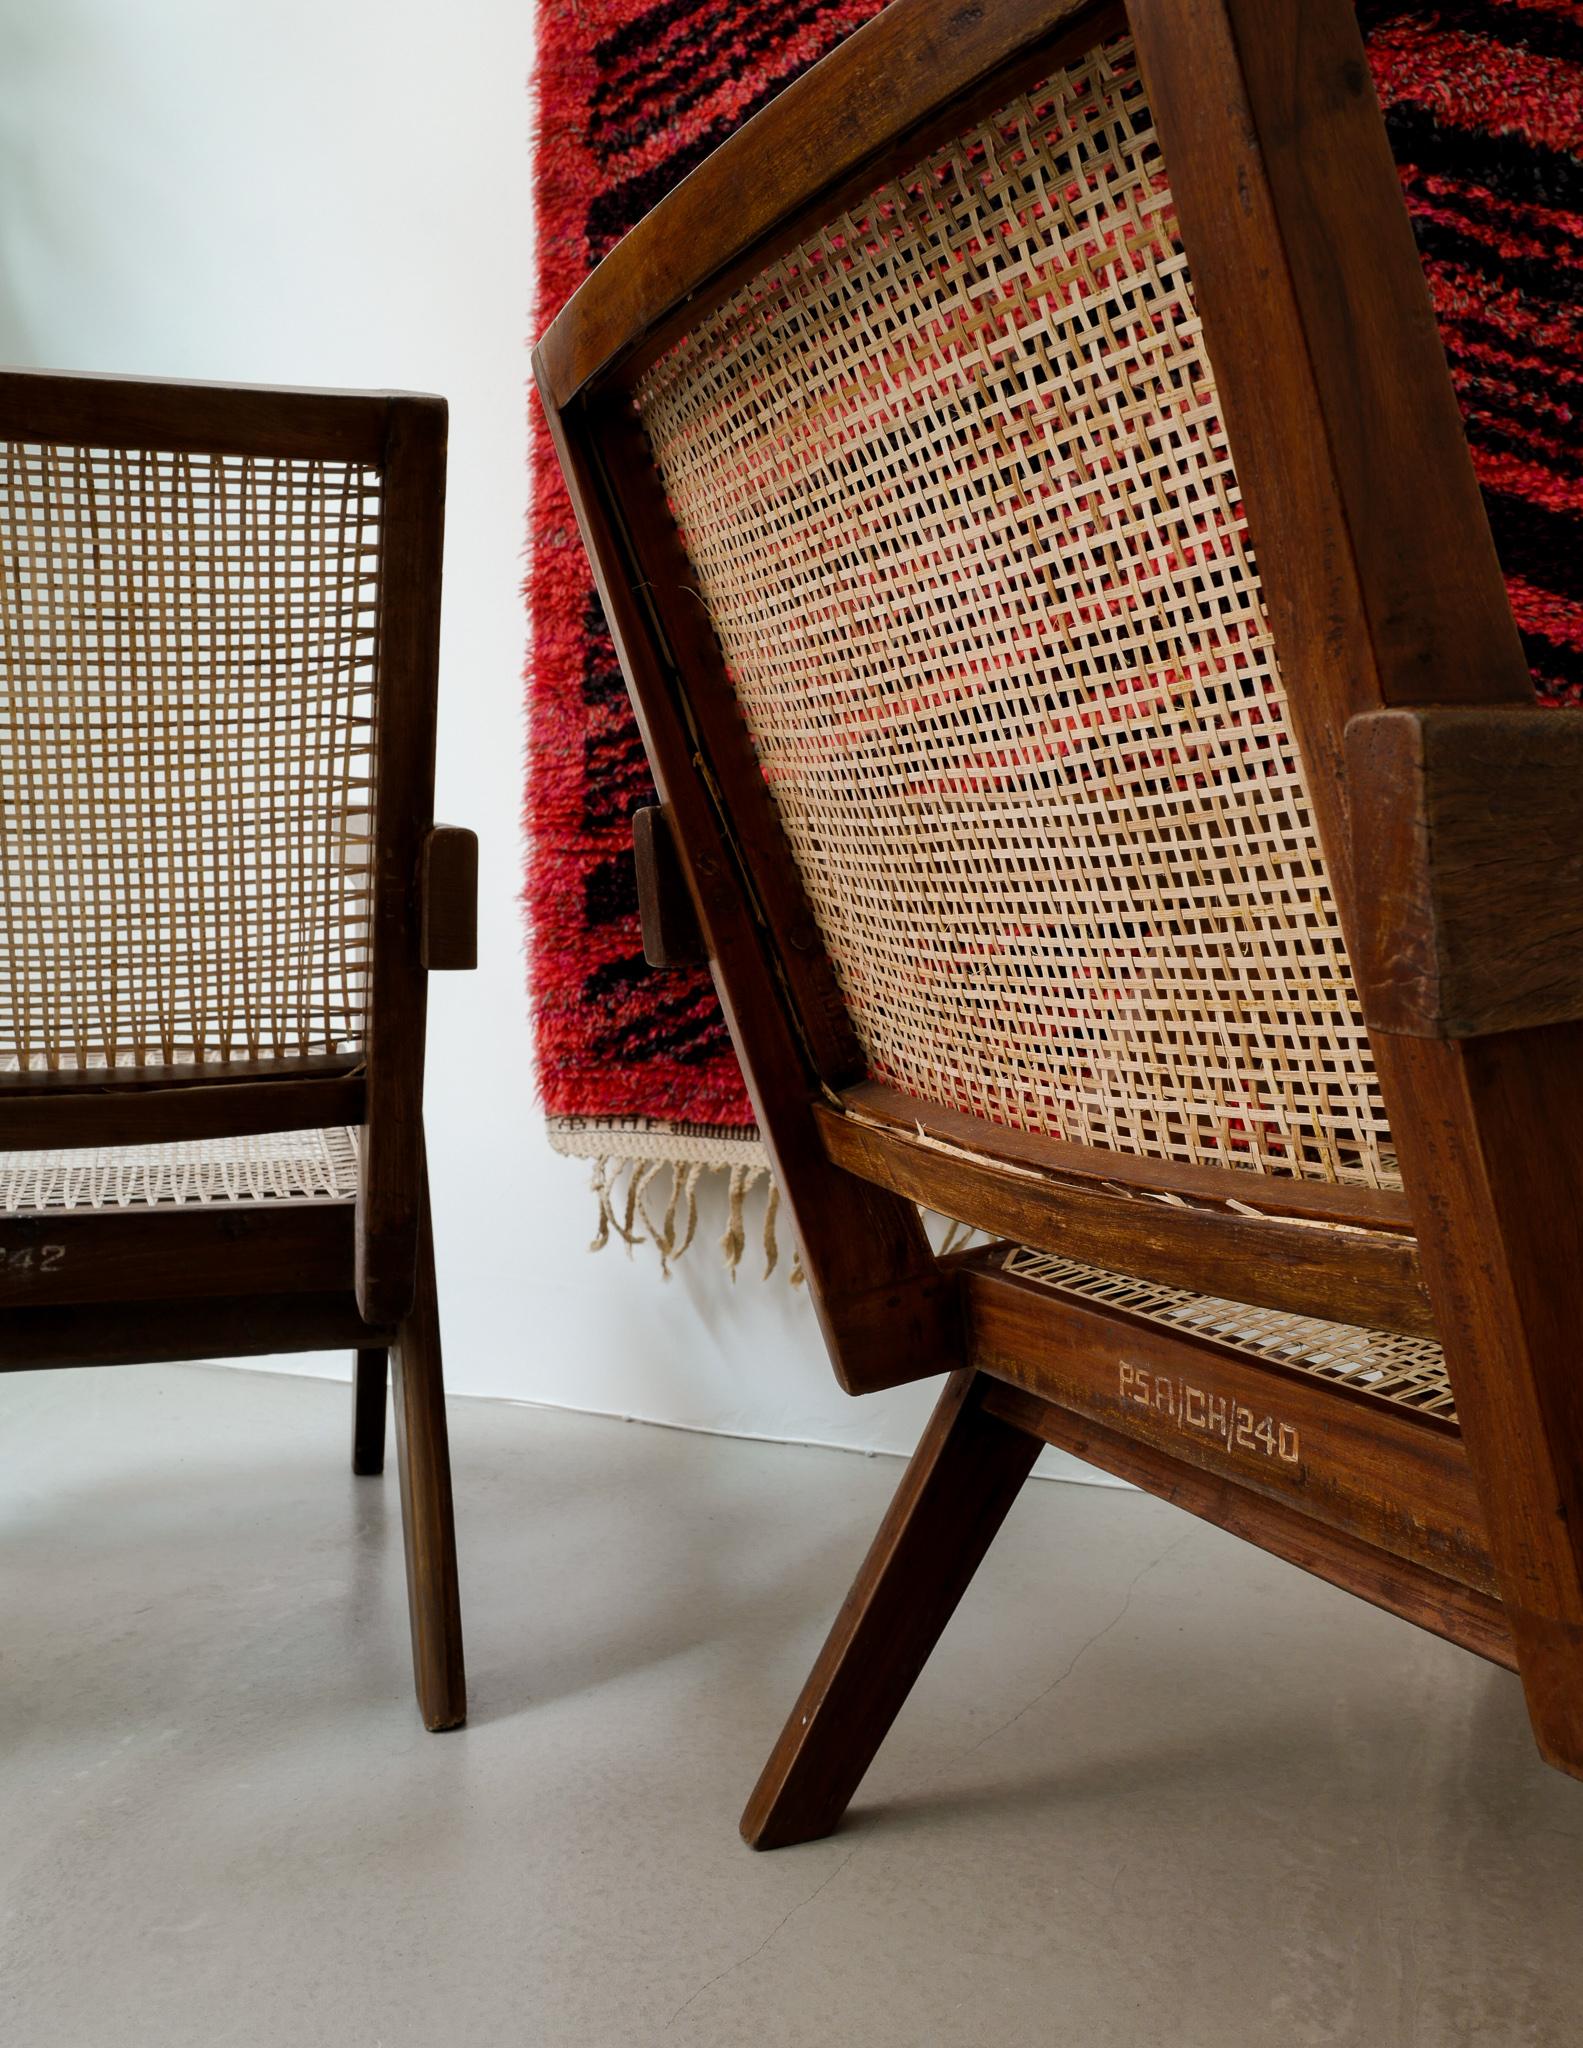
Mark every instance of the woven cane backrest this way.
pixel 954 483
pixel 187 669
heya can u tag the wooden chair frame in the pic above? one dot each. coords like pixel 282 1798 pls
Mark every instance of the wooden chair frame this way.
pixel 133 1285
pixel 1411 701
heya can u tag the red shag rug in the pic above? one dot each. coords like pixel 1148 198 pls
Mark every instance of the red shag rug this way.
pixel 1484 104
pixel 635 1068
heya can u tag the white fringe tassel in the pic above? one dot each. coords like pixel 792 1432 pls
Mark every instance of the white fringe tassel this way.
pixel 639 1205
pixel 636 1205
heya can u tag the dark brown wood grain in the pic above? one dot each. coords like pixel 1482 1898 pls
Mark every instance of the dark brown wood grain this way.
pixel 193 417
pixel 160 1332
pixel 1395 1479
pixel 1467 833
pixel 1461 1614
pixel 1440 628
pixel 409 643
pixel 1383 590
pixel 956 1492
pixel 428 1521
pixel 1491 1133
pixel 102 1083
pixel 448 900
pixel 192 1248
pixel 104 1109
pixel 672 936
pixel 1346 1275
pixel 1225 1188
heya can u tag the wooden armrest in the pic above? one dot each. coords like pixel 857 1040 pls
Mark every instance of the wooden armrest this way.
pixel 671 934
pixel 448 898
pixel 1467 846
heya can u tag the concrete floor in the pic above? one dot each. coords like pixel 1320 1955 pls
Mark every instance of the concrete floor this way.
pixel 1154 1790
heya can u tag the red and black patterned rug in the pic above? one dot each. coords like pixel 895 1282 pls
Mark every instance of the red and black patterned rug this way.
pixel 1484 103
pixel 635 1068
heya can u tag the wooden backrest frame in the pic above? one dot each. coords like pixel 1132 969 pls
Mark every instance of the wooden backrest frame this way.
pixel 1387 604
pixel 404 437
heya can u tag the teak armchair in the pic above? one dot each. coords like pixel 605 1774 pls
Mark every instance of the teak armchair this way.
pixel 1203 928
pixel 221 894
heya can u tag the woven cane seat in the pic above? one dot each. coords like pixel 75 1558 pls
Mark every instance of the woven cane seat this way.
pixel 279 1166
pixel 1409 1372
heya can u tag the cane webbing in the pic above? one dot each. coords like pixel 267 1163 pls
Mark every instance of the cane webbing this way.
pixel 283 1166
pixel 186 723
pixel 1409 1372
pixel 954 483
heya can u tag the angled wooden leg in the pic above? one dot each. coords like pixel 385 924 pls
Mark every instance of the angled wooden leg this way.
pixel 424 1463
pixel 370 1370
pixel 955 1494
pixel 1498 1120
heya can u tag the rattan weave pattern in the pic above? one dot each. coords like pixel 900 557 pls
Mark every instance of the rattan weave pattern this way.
pixel 1410 1372
pixel 187 667
pixel 281 1166
pixel 954 483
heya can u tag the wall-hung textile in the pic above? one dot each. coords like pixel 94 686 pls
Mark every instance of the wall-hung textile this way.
pixel 1484 105
pixel 636 1068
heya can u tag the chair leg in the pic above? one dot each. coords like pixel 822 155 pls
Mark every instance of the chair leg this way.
pixel 1550 1664
pixel 955 1494
pixel 370 1370
pixel 424 1463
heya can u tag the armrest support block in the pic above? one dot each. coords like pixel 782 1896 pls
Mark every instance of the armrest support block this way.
pixel 1467 846
pixel 448 899
pixel 671 934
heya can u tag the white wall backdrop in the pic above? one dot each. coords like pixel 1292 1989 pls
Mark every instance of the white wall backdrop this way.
pixel 337 192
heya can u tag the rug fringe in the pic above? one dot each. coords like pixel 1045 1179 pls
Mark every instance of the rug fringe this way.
pixel 628 1158
pixel 629 1193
